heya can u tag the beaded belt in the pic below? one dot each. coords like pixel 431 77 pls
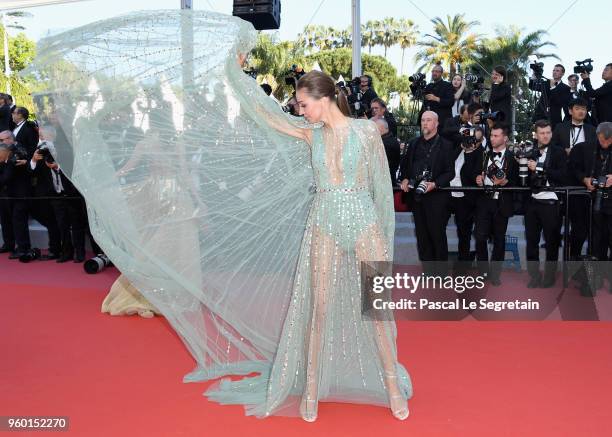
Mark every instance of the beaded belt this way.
pixel 340 190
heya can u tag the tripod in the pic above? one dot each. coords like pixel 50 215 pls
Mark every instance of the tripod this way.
pixel 540 99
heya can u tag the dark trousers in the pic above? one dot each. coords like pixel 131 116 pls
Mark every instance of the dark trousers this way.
pixel 602 234
pixel 579 224
pixel 464 209
pixel 19 209
pixel 490 222
pixel 71 224
pixel 6 221
pixel 40 209
pixel 431 216
pixel 542 217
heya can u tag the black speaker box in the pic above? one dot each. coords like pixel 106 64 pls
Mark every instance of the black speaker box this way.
pixel 264 14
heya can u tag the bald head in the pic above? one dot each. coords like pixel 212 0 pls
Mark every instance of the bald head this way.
pixel 382 125
pixel 437 72
pixel 429 124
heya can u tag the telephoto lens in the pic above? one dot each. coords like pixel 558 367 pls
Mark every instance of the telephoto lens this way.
pixel 97 264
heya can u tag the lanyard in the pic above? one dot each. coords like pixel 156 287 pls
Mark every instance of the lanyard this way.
pixel 575 135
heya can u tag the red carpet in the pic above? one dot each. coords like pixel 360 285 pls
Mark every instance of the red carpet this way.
pixel 122 376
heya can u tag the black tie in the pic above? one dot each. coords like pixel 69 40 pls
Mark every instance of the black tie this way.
pixel 498 154
pixel 576 126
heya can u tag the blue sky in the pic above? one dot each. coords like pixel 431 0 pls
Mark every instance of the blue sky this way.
pixel 578 27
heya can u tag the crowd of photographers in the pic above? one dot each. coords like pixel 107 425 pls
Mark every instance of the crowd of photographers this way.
pixel 465 144
pixel 33 185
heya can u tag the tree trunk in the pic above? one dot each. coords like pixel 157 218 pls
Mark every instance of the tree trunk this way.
pixel 402 66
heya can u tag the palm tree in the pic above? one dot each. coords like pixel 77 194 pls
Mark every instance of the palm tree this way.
pixel 388 32
pixel 407 37
pixel 451 42
pixel 369 37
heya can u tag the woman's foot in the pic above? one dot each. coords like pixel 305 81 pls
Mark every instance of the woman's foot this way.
pixel 308 409
pixel 397 403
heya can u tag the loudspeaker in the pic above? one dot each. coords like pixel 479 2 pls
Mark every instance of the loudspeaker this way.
pixel 264 14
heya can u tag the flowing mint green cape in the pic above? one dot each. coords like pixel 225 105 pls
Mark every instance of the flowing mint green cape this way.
pixel 216 216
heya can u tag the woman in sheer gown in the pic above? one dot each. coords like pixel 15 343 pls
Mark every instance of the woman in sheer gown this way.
pixel 253 268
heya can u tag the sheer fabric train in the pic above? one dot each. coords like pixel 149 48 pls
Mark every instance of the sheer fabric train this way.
pixel 214 215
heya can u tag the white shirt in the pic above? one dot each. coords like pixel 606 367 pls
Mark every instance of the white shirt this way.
pixel 499 161
pixel 456 182
pixel 18 128
pixel 544 195
pixel 576 135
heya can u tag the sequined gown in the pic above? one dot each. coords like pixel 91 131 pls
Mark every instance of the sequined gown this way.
pixel 327 350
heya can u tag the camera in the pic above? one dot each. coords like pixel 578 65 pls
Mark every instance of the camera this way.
pixel 420 182
pixel 524 153
pixel 493 171
pixel 355 96
pixel 19 154
pixel 539 177
pixel 418 84
pixel 468 135
pixel 473 78
pixel 585 66
pixel 43 149
pixel 538 69
pixel 494 116
pixel 97 264
pixel 293 75
pixel 601 192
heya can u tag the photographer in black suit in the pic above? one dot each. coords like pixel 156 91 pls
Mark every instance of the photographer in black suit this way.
pixel 379 110
pixel 16 178
pixel 571 135
pixel 496 167
pixel 392 147
pixel 602 95
pixel 66 203
pixel 555 98
pixel 25 131
pixel 593 165
pixel 500 98
pixel 466 153
pixel 426 166
pixel 438 96
pixel 542 215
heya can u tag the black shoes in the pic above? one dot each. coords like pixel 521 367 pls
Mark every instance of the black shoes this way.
pixel 49 256
pixel 16 255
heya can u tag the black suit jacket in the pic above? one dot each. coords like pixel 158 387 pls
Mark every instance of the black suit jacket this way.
pixel 603 99
pixel 392 150
pixel 6 118
pixel 16 178
pixel 506 198
pixel 582 160
pixel 28 137
pixel 42 181
pixel 558 100
pixel 441 163
pixel 555 166
pixel 561 137
pixel 500 99
pixel 444 108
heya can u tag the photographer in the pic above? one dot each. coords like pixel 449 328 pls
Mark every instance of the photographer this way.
pixel 461 96
pixel 18 184
pixel 572 135
pixel 555 95
pixel 495 167
pixel 469 117
pixel 379 110
pixel 438 96
pixel 66 206
pixel 367 92
pixel 602 95
pixel 542 213
pixel 25 131
pixel 392 147
pixel 426 166
pixel 592 164
pixel 466 154
pixel 500 98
